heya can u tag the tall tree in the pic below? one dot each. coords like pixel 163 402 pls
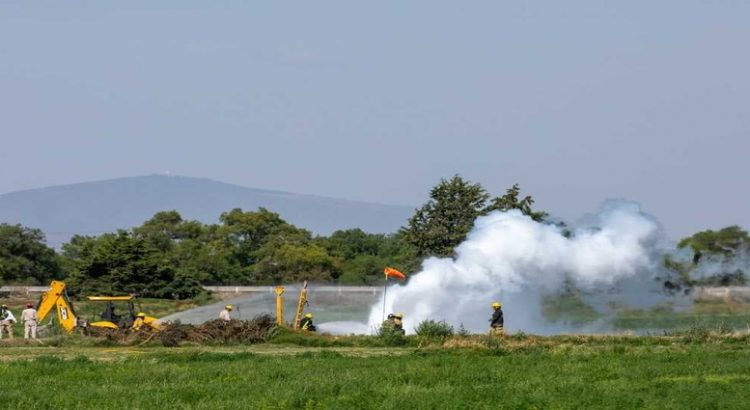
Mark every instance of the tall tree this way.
pixel 283 262
pixel 25 257
pixel 246 232
pixel 511 201
pixel 443 222
pixel 166 229
pixel 121 263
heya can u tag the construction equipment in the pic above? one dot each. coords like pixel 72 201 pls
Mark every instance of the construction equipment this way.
pixel 57 297
pixel 279 305
pixel 114 321
pixel 300 306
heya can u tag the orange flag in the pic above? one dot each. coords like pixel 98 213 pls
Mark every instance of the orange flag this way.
pixel 393 273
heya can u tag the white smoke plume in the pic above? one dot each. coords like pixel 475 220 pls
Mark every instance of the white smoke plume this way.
pixel 510 258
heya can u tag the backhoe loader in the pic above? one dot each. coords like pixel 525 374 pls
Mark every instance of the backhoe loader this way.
pixel 56 297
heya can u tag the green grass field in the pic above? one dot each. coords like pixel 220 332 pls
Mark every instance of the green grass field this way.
pixel 689 371
pixel 696 367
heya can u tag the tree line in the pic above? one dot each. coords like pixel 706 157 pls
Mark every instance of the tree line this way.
pixel 170 257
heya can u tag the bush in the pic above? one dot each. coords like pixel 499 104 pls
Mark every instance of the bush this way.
pixel 432 329
pixel 391 336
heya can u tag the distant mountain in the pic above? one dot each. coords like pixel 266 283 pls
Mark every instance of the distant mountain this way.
pixel 105 206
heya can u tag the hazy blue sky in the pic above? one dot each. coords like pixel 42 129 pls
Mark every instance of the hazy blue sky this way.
pixel 578 101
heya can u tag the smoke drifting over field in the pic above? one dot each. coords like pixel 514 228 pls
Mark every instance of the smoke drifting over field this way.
pixel 510 258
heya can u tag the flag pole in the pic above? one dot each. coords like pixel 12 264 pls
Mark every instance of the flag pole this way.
pixel 385 289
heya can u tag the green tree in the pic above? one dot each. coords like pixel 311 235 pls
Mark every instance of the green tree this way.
pixel 365 255
pixel 280 262
pixel 713 262
pixel 444 221
pixel 510 201
pixel 166 229
pixel 726 242
pixel 246 232
pixel 364 269
pixel 122 263
pixel 194 250
pixel 25 257
pixel 350 243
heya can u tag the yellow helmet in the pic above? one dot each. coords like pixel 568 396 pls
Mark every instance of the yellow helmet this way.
pixel 496 305
pixel 399 315
pixel 140 314
pixel 228 307
pixel 309 315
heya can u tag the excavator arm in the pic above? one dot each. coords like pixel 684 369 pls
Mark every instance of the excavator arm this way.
pixel 56 298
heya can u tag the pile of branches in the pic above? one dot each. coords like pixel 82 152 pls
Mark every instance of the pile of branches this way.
pixel 257 330
pixel 122 335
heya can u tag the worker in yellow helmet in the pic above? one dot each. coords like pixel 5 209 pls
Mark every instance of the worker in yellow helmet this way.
pixel 306 323
pixel 389 323
pixel 398 323
pixel 497 322
pixel 225 314
pixel 140 320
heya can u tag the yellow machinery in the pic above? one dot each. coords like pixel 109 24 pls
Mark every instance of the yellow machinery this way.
pixel 300 306
pixel 56 297
pixel 128 320
pixel 279 305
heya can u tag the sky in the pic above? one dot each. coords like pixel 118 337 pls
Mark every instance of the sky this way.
pixel 577 101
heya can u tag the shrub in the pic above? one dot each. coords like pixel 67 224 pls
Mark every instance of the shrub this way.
pixel 391 336
pixel 433 329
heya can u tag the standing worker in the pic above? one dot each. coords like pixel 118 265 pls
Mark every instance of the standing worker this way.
pixel 306 323
pixel 224 315
pixel 6 321
pixel 29 318
pixel 497 322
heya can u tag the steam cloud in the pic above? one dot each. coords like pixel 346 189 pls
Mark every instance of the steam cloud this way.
pixel 511 258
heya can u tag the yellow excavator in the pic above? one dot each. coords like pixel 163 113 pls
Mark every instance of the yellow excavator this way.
pixel 57 298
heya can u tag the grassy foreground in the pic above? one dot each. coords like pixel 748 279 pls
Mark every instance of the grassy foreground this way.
pixel 519 372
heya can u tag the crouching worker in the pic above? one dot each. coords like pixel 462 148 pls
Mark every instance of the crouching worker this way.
pixel 306 323
pixel 398 323
pixel 140 320
pixel 497 322
pixel 389 323
pixel 6 321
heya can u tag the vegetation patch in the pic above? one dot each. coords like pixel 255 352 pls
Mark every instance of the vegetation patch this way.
pixel 516 372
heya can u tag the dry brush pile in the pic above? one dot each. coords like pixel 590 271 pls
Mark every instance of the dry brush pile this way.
pixel 257 330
